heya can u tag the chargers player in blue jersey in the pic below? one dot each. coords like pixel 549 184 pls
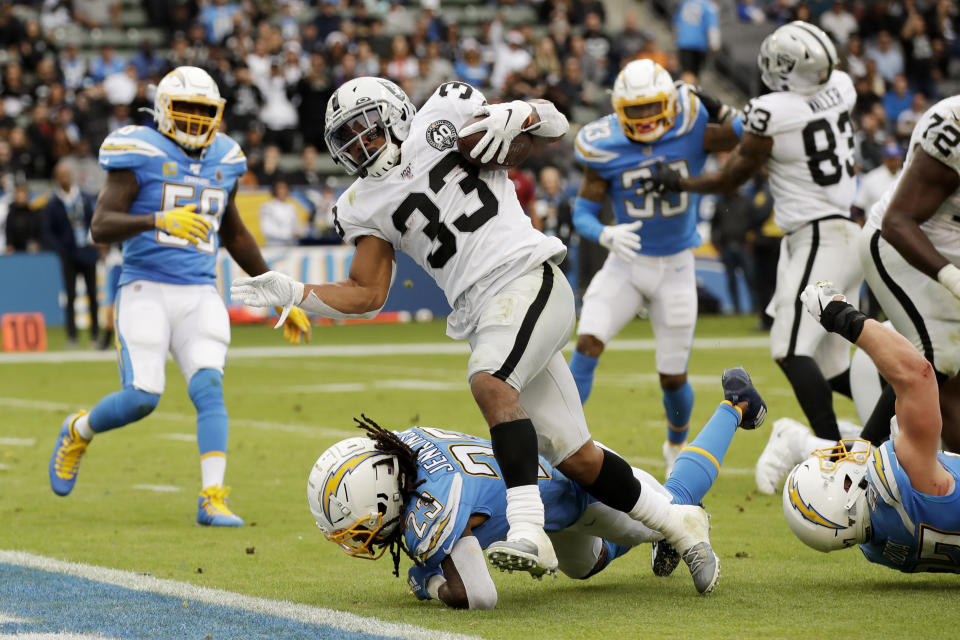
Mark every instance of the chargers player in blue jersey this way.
pixel 901 501
pixel 169 197
pixel 438 496
pixel 654 121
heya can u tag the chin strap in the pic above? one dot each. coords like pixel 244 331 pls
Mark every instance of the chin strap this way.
pixel 388 159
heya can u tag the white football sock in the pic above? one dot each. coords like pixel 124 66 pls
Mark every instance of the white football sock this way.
pixel 82 427
pixel 652 507
pixel 524 505
pixel 213 466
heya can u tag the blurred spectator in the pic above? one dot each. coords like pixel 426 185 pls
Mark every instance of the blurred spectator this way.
pixel 652 51
pixel 24 225
pixel 307 174
pixel 552 213
pixel 106 64
pixel 322 228
pixel 73 67
pixel 510 54
pixel 96 13
pixel 734 216
pixel 218 20
pixel 368 64
pixel 886 53
pixel 632 39
pixel 875 81
pixel 398 19
pixel 314 90
pixel 839 23
pixel 54 14
pixel 571 91
pixel 780 11
pixel 697 32
pixel 244 99
pixel 89 175
pixel 875 182
pixel 471 68
pixel 599 48
pixel 12 31
pixel 6 122
pixel 898 99
pixel 749 12
pixel 268 171
pixel 149 63
pixel 908 118
pixel 546 60
pixel 436 24
pixel 869 139
pixel 278 113
pixel 526 188
pixel 67 217
pixel 918 53
pixel 766 246
pixel 121 88
pixel 279 221
pixel 856 63
pixel 13 90
pixel 880 15
pixel 25 161
pixel 402 64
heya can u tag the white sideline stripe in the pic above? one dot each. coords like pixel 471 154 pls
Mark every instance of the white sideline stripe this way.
pixel 218 597
pixel 8 619
pixel 266 425
pixel 160 488
pixel 55 636
pixel 18 442
pixel 351 351
pixel 351 387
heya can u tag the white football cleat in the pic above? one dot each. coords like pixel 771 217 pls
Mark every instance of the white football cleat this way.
pixel 670 454
pixel 784 451
pixel 527 548
pixel 688 532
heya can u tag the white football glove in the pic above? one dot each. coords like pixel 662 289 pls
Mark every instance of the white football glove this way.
pixel 502 124
pixel 271 289
pixel 815 297
pixel 622 240
pixel 949 277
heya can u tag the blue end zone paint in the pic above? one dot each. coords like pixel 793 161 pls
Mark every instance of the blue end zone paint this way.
pixel 58 603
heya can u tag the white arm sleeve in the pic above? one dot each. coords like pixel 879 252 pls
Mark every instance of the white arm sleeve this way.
pixel 468 558
pixel 313 304
pixel 553 124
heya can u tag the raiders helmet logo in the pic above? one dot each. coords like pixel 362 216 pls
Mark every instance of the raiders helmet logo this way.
pixel 442 135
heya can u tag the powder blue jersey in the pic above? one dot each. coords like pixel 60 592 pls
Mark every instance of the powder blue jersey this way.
pixel 463 478
pixel 169 178
pixel 912 531
pixel 669 222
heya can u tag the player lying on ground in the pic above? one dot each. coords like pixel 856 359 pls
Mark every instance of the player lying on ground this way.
pixel 900 502
pixel 464 226
pixel 438 496
pixel 169 198
pixel 655 120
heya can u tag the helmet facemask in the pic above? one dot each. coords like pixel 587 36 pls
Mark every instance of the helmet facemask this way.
pixel 188 107
pixel 645 101
pixel 824 497
pixel 361 142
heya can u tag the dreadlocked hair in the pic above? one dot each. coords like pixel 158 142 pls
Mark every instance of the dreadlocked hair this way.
pixel 388 442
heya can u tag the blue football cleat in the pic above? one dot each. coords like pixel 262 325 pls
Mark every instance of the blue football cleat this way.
pixel 737 387
pixel 67 454
pixel 212 509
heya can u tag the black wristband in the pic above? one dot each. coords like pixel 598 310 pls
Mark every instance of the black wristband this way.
pixel 841 318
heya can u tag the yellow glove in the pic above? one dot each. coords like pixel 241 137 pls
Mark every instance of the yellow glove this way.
pixel 182 222
pixel 296 325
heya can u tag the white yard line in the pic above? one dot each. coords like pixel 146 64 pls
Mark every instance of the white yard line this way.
pixel 379 350
pixel 218 597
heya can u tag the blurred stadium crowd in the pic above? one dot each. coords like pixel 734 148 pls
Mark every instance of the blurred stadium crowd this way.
pixel 73 70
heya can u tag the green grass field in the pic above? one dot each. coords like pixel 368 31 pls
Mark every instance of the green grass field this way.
pixel 286 411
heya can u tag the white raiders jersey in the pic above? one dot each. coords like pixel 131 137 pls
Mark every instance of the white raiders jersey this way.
pixel 811 163
pixel 464 226
pixel 938 134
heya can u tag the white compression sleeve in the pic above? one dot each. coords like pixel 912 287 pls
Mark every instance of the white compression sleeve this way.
pixel 313 304
pixel 553 124
pixel 468 558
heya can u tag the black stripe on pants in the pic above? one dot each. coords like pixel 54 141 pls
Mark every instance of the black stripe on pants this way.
pixel 526 327
pixel 797 304
pixel 912 312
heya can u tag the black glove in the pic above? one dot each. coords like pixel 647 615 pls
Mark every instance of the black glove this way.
pixel 717 111
pixel 663 180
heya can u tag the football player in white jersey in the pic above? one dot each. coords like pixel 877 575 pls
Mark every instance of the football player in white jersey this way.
pixel 169 197
pixel 910 252
pixel 802 133
pixel 464 226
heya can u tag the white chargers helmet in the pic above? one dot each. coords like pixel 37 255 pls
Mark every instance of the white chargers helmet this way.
pixel 645 100
pixel 824 497
pixel 354 496
pixel 796 57
pixel 367 119
pixel 188 108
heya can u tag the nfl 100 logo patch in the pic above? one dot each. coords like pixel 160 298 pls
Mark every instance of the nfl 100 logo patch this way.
pixel 442 135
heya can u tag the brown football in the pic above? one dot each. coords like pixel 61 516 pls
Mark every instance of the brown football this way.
pixel 519 149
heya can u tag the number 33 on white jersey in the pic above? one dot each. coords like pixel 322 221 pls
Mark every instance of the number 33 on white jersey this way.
pixel 811 164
